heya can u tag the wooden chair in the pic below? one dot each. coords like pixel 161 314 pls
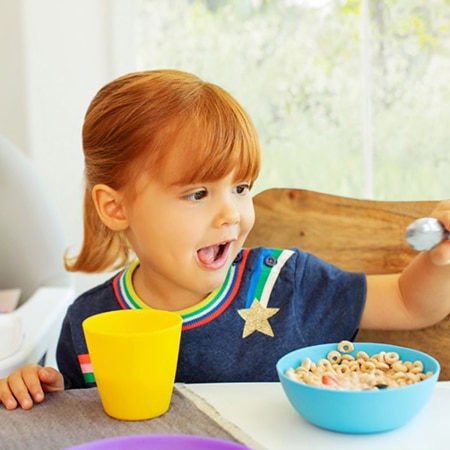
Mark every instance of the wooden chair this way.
pixel 355 234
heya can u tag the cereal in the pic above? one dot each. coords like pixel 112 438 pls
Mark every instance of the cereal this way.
pixel 362 355
pixel 324 363
pixel 398 366
pixel 340 370
pixel 334 356
pixel 391 357
pixel 345 346
pixel 306 364
pixel 417 367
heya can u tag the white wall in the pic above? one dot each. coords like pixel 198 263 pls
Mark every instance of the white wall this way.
pixel 54 56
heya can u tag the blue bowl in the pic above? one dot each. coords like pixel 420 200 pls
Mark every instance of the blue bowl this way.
pixel 357 411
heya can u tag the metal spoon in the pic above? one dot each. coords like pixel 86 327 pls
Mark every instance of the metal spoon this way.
pixel 425 233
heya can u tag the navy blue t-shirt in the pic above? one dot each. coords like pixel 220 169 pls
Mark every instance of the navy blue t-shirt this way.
pixel 271 302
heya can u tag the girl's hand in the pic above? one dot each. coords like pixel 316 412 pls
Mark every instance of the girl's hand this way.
pixel 28 384
pixel 440 255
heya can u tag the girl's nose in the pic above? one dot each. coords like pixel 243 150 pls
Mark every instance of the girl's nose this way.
pixel 228 213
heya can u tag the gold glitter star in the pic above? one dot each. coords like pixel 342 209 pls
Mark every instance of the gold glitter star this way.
pixel 257 319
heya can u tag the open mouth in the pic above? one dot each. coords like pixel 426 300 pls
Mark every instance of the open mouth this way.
pixel 213 256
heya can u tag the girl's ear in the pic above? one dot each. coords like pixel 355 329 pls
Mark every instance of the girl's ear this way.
pixel 110 208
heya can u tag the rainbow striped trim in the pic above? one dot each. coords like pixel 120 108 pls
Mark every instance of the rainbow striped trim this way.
pixel 207 310
pixel 86 368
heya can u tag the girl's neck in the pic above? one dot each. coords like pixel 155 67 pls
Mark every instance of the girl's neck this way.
pixel 169 299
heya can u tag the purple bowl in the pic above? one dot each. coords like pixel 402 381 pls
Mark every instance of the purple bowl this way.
pixel 159 442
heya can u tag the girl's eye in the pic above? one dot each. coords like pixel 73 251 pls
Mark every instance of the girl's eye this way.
pixel 197 195
pixel 242 188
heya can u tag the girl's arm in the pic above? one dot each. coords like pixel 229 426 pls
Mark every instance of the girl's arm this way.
pixel 419 296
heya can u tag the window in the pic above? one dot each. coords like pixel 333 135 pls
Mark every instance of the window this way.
pixel 349 97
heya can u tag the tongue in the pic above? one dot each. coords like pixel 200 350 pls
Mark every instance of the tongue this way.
pixel 207 255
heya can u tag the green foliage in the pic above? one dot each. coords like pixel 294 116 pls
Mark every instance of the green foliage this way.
pixel 296 68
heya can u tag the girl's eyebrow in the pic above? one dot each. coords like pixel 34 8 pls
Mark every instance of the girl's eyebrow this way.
pixel 179 183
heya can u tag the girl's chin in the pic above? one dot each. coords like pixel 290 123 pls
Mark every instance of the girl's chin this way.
pixel 215 279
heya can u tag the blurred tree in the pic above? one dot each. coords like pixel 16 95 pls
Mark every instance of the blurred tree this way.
pixel 296 67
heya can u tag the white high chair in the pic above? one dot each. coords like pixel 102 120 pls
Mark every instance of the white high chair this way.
pixel 31 251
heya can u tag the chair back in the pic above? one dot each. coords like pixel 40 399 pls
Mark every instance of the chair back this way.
pixel 355 234
pixel 32 240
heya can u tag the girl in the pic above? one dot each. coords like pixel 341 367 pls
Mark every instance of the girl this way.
pixel 170 162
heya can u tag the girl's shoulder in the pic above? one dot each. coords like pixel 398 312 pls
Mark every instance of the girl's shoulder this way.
pixel 292 261
pixel 271 257
pixel 95 300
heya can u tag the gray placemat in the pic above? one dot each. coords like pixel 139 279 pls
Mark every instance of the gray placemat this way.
pixel 72 417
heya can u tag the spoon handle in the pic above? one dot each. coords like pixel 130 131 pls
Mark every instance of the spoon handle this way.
pixel 425 233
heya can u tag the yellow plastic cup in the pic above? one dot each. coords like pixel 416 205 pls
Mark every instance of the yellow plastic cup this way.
pixel 134 355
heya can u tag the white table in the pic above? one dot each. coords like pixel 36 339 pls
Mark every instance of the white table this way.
pixel 262 411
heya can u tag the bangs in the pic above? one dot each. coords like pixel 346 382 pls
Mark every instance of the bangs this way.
pixel 212 150
pixel 209 140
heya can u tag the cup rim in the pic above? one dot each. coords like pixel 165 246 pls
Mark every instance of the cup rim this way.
pixel 89 323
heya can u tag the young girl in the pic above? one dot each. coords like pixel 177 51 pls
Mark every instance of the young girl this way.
pixel 170 162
